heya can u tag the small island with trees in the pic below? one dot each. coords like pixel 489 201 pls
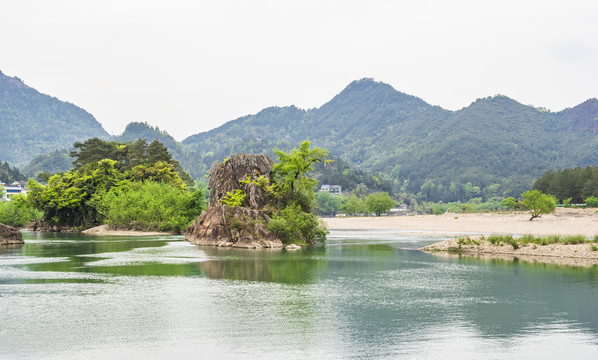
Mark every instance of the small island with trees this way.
pixel 255 203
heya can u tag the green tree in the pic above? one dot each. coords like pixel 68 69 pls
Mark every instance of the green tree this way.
pixel 354 205
pixel 328 204
pixel 290 175
pixel 509 203
pixel 379 203
pixel 294 197
pixel 471 191
pixel 361 191
pixel 2 191
pixel 538 203
pixel 92 151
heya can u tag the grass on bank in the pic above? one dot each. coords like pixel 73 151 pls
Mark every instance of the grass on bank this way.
pixel 499 240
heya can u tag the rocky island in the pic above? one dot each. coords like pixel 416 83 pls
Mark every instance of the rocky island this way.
pixel 10 235
pixel 236 226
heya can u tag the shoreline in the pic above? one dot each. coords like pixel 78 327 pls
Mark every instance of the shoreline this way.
pixel 560 254
pixel 104 230
pixel 565 221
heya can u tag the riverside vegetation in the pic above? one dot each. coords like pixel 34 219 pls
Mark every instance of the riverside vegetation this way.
pixel 131 185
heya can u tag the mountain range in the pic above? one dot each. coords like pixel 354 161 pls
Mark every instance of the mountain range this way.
pixel 495 141
pixel 33 123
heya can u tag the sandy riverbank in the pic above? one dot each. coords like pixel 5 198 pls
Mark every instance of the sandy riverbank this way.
pixel 562 254
pixel 566 221
pixel 104 230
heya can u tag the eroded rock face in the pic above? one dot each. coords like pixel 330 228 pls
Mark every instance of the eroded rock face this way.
pixel 227 177
pixel 228 226
pixel 10 235
pixel 240 226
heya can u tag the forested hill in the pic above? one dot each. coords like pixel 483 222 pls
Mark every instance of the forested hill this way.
pixel 189 159
pixel 33 123
pixel 495 144
pixel 495 140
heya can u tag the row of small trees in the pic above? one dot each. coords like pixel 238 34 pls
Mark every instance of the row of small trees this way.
pixel 375 203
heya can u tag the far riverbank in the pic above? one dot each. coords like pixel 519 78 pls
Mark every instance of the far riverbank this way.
pixel 565 221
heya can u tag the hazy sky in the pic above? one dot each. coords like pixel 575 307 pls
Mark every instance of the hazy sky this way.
pixel 190 66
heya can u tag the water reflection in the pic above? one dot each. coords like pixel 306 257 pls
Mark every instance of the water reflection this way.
pixel 280 266
pixel 355 297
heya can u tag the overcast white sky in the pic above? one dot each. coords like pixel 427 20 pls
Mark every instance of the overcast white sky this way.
pixel 190 66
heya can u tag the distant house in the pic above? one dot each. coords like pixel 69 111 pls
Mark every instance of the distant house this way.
pixel 403 209
pixel 333 189
pixel 16 187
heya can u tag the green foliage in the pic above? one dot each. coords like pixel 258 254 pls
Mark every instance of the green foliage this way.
pixel 340 172
pixel 9 174
pixel 51 163
pixel 354 205
pixel 538 203
pixel 74 198
pixel 293 225
pixel 18 212
pixel 235 198
pixel 290 173
pixel 293 195
pixel 379 203
pixel 328 204
pixel 509 203
pixel 500 240
pixel 151 205
pixel 151 161
pixel 592 201
pixel 575 183
pixel 536 240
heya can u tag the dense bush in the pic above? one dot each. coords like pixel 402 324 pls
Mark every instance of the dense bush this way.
pixel 592 201
pixel 18 212
pixel 292 225
pixel 151 206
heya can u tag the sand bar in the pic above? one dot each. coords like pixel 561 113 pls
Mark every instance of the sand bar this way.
pixel 565 221
pixel 104 230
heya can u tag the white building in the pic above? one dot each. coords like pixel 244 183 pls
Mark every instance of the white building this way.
pixel 17 187
pixel 333 189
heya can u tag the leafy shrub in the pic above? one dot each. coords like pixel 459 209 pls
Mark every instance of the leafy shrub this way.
pixel 234 198
pixel 18 212
pixel 151 206
pixel 592 201
pixel 509 203
pixel 292 225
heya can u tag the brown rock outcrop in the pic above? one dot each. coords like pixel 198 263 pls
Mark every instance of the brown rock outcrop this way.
pixel 9 235
pixel 239 226
pixel 227 177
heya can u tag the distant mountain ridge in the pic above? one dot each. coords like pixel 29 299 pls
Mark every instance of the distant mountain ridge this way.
pixel 33 123
pixel 494 142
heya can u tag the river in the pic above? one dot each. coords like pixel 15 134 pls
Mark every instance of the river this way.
pixel 364 295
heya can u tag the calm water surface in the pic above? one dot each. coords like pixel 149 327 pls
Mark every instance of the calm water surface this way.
pixel 364 295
